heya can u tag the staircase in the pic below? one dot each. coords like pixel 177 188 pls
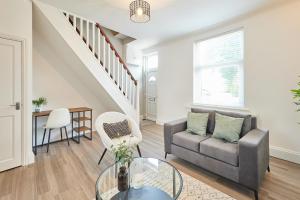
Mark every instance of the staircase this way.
pixel 90 43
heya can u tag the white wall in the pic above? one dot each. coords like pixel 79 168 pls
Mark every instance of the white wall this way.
pixel 16 21
pixel 272 67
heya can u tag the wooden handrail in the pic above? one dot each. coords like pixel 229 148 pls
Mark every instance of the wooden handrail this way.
pixel 116 53
pixel 111 46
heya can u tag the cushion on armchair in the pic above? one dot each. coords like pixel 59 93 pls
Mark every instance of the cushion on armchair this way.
pixel 117 129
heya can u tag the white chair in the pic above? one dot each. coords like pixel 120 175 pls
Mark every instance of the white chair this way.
pixel 58 119
pixel 131 140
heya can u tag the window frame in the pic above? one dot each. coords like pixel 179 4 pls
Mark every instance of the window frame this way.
pixel 241 63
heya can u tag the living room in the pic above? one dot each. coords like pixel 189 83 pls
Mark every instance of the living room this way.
pixel 149 99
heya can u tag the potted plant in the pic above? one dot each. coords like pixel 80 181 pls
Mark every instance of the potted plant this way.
pixel 38 103
pixel 296 93
pixel 124 155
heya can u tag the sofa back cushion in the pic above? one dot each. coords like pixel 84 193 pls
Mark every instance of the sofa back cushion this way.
pixel 247 126
pixel 247 120
pixel 211 118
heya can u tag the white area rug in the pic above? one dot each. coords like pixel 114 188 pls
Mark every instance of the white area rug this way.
pixel 193 189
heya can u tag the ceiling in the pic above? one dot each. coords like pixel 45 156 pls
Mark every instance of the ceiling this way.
pixel 169 18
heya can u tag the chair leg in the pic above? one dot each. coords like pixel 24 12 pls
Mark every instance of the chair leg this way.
pixel 138 148
pixel 60 134
pixel 102 156
pixel 67 135
pixel 269 169
pixel 166 155
pixel 256 194
pixel 48 140
pixel 44 137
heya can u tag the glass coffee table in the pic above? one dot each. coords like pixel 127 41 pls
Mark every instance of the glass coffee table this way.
pixel 149 179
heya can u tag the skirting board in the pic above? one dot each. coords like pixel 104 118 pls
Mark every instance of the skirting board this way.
pixel 160 122
pixel 285 154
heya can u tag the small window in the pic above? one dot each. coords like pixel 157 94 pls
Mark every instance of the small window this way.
pixel 151 61
pixel 218 70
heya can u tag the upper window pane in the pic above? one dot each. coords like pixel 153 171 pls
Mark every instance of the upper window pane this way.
pixel 152 61
pixel 219 50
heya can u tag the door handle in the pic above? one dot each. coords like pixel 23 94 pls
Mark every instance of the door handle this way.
pixel 17 105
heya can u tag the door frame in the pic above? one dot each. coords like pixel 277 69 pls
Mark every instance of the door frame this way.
pixel 26 112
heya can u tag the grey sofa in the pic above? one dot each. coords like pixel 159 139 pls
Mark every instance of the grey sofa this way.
pixel 244 162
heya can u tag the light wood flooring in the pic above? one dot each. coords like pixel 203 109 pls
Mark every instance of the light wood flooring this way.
pixel 70 173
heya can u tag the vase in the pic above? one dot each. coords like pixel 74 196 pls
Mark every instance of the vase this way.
pixel 37 109
pixel 123 179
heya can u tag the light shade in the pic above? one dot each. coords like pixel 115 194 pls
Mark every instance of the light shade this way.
pixel 139 11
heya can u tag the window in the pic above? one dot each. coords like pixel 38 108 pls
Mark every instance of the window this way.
pixel 218 70
pixel 151 61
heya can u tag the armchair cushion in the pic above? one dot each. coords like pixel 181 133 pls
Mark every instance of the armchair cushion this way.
pixel 220 150
pixel 117 129
pixel 188 140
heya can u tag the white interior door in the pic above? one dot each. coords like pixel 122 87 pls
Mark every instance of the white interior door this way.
pixel 10 99
pixel 151 96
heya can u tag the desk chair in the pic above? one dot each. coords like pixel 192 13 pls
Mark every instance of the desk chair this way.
pixel 58 119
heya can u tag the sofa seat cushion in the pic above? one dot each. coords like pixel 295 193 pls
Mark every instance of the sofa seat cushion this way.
pixel 188 140
pixel 220 150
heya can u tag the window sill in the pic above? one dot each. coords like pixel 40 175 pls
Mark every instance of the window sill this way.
pixel 223 108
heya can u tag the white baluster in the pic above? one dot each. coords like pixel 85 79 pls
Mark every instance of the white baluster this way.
pixel 94 40
pixel 122 78
pixel 118 73
pixel 129 89
pixel 113 65
pixel 99 39
pixel 125 83
pixel 81 29
pixel 133 94
pixel 108 58
pixel 74 22
pixel 104 51
pixel 88 33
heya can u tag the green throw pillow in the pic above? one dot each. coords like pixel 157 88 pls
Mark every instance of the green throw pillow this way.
pixel 197 123
pixel 228 128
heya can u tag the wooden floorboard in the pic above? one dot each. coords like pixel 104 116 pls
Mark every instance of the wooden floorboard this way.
pixel 70 172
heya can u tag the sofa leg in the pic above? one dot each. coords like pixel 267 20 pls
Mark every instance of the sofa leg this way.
pixel 166 155
pixel 256 194
pixel 269 169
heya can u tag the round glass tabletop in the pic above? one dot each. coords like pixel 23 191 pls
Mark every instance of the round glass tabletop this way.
pixel 148 178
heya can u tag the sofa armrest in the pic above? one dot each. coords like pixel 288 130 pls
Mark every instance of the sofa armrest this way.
pixel 253 158
pixel 171 128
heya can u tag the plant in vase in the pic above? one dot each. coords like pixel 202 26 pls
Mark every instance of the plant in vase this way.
pixel 124 155
pixel 296 93
pixel 38 103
